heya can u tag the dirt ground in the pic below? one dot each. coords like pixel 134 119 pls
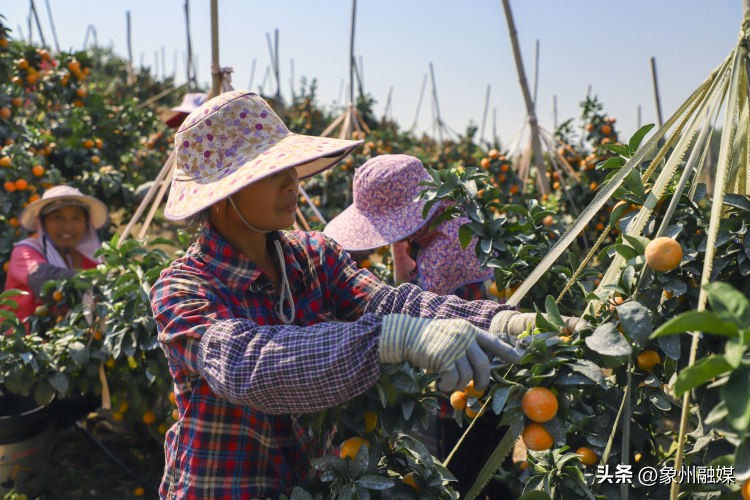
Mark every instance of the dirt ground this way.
pixel 94 460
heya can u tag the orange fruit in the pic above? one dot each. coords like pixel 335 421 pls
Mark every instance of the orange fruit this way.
pixel 172 398
pixel 588 457
pixel 5 113
pixel 13 222
pixel 411 479
pixel 606 129
pixel 110 362
pixel 139 491
pixel 5 161
pixel 123 406
pixel 548 221
pixel 745 490
pixel 117 416
pixel 593 185
pixel 351 446
pixel 371 421
pixel 74 66
pixel 494 154
pixel 647 359
pixel 458 400
pixel 97 335
pixel 663 254
pixel 536 437
pixel 88 144
pixel 495 291
pixel 472 413
pixel 484 163
pixel 57 296
pixel 365 264
pixel 16 101
pixel 175 414
pixel 514 189
pixel 33 198
pixel 95 160
pixel 21 184
pixel 539 404
pixel 22 63
pixel 37 170
pixel 149 417
pixel 81 92
pixel 471 391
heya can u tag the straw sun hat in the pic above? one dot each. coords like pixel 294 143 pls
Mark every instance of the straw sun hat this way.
pixel 59 197
pixel 236 139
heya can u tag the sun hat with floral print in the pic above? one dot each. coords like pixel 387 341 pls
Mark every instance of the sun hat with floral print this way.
pixel 236 139
pixel 384 208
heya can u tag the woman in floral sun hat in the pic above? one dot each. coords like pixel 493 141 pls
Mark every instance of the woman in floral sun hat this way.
pixel 385 211
pixel 260 324
pixel 64 223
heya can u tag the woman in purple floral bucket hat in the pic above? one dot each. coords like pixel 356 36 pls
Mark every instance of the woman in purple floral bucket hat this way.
pixel 385 211
pixel 260 324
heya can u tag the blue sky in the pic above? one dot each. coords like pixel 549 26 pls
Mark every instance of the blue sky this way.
pixel 604 45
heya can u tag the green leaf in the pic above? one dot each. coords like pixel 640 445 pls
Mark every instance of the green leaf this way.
pixel 735 395
pixel 636 321
pixel 535 495
pixel 728 303
pixel 635 139
pixel 701 321
pixel 375 482
pixel 626 251
pixel 637 242
pixel 742 460
pixel 553 314
pixel 59 382
pixel 499 398
pixel 704 370
pixel 606 340
pixel 465 235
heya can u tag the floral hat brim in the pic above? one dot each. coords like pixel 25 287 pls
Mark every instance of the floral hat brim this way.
pixel 357 231
pixel 236 139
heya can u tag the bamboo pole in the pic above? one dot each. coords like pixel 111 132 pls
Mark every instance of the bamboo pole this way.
pixel 52 25
pixel 130 48
pixel 656 92
pixel 419 102
pixel 536 146
pixel 436 105
pixel 252 74
pixel 38 24
pixel 536 73
pixel 484 112
pixel 215 68
pixel 189 67
pixel 554 112
pixel 351 52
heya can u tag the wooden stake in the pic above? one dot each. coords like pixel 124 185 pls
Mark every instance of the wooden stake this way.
pixel 351 52
pixel 438 118
pixel 52 25
pixel 656 92
pixel 215 68
pixel 484 112
pixel 536 72
pixel 419 102
pixel 131 77
pixel 536 146
pixel 190 65
pixel 38 24
pixel 252 74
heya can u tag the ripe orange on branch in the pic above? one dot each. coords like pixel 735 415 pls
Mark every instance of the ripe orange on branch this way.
pixel 663 254
pixel 351 446
pixel 539 404
pixel 536 437
pixel 588 457
pixel 458 400
pixel 647 359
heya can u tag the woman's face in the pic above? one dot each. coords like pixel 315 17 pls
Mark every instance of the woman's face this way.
pixel 66 227
pixel 270 203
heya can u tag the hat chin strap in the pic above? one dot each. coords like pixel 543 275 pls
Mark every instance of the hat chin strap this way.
pixel 286 292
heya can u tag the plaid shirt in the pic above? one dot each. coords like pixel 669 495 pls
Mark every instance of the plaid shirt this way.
pixel 242 377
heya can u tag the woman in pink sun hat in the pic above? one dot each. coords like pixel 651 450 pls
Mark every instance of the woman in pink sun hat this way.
pixel 64 222
pixel 260 324
pixel 385 211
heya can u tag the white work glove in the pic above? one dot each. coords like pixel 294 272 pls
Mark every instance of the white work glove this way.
pixel 453 347
pixel 507 325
